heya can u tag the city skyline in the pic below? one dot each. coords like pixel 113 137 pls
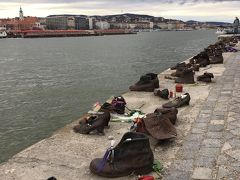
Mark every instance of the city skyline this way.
pixel 200 10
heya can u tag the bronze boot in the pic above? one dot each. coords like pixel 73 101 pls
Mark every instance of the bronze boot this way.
pixel 216 59
pixel 146 83
pixel 206 77
pixel 187 77
pixel 93 122
pixel 132 155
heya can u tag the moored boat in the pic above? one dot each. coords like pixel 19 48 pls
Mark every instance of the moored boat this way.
pixel 3 33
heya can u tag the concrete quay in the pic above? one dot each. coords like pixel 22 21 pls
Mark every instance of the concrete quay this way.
pixel 207 145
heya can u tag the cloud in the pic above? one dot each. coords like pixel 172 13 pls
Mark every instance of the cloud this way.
pixel 113 1
pixel 223 10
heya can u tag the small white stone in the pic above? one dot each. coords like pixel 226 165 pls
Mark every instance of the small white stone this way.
pixel 110 138
pixel 226 146
pixel 217 122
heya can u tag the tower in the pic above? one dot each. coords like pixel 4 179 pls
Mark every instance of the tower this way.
pixel 21 14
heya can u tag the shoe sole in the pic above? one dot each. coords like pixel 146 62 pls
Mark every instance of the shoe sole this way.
pixel 139 171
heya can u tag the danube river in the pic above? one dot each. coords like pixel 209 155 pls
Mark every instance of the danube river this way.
pixel 48 83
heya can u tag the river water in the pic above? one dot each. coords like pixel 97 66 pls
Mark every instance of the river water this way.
pixel 47 83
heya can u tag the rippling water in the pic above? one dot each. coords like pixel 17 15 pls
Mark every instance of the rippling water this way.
pixel 47 83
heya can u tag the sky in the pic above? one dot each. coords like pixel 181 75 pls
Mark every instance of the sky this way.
pixel 200 10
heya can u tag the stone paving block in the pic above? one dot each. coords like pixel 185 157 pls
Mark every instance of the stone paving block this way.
pixel 234 153
pixel 186 153
pixel 189 149
pixel 194 137
pixel 183 165
pixel 212 143
pixel 198 131
pixel 236 132
pixel 214 135
pixel 207 108
pixel 215 128
pixel 200 125
pixel 205 161
pixel 210 103
pixel 223 99
pixel 235 142
pixel 223 172
pixel 206 111
pixel 191 145
pixel 224 159
pixel 212 98
pixel 202 173
pixel 234 109
pixel 221 107
pixel 219 113
pixel 209 152
pixel 235 166
pixel 235 123
pixel 220 117
pixel 175 174
pixel 217 122
pixel 230 119
pixel 230 114
pixel 226 93
pixel 205 116
pixel 228 135
pixel 202 120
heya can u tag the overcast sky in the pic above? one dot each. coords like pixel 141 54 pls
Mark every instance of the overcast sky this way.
pixel 202 10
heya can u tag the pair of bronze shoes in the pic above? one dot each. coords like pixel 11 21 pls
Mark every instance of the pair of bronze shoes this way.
pixel 178 102
pixel 206 77
pixel 147 83
pixel 92 123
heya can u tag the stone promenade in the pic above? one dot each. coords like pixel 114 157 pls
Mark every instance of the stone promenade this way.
pixel 211 150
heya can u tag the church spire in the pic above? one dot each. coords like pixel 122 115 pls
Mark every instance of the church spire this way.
pixel 21 14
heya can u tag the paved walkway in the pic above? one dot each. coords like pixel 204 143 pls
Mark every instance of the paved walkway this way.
pixel 211 150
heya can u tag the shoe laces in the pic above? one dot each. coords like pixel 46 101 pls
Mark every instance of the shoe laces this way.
pixel 108 156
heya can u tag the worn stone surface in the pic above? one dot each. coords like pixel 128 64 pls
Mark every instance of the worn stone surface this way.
pixel 202 173
pixel 217 129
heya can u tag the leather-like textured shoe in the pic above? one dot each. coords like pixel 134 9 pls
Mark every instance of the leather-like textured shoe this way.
pixel 202 59
pixel 93 122
pixel 159 126
pixel 132 155
pixel 162 93
pixel 216 59
pixel 116 106
pixel 183 100
pixel 196 67
pixel 187 77
pixel 170 113
pixel 179 65
pixel 206 77
pixel 146 83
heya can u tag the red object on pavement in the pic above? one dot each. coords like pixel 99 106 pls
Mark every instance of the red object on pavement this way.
pixel 179 88
pixel 146 178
